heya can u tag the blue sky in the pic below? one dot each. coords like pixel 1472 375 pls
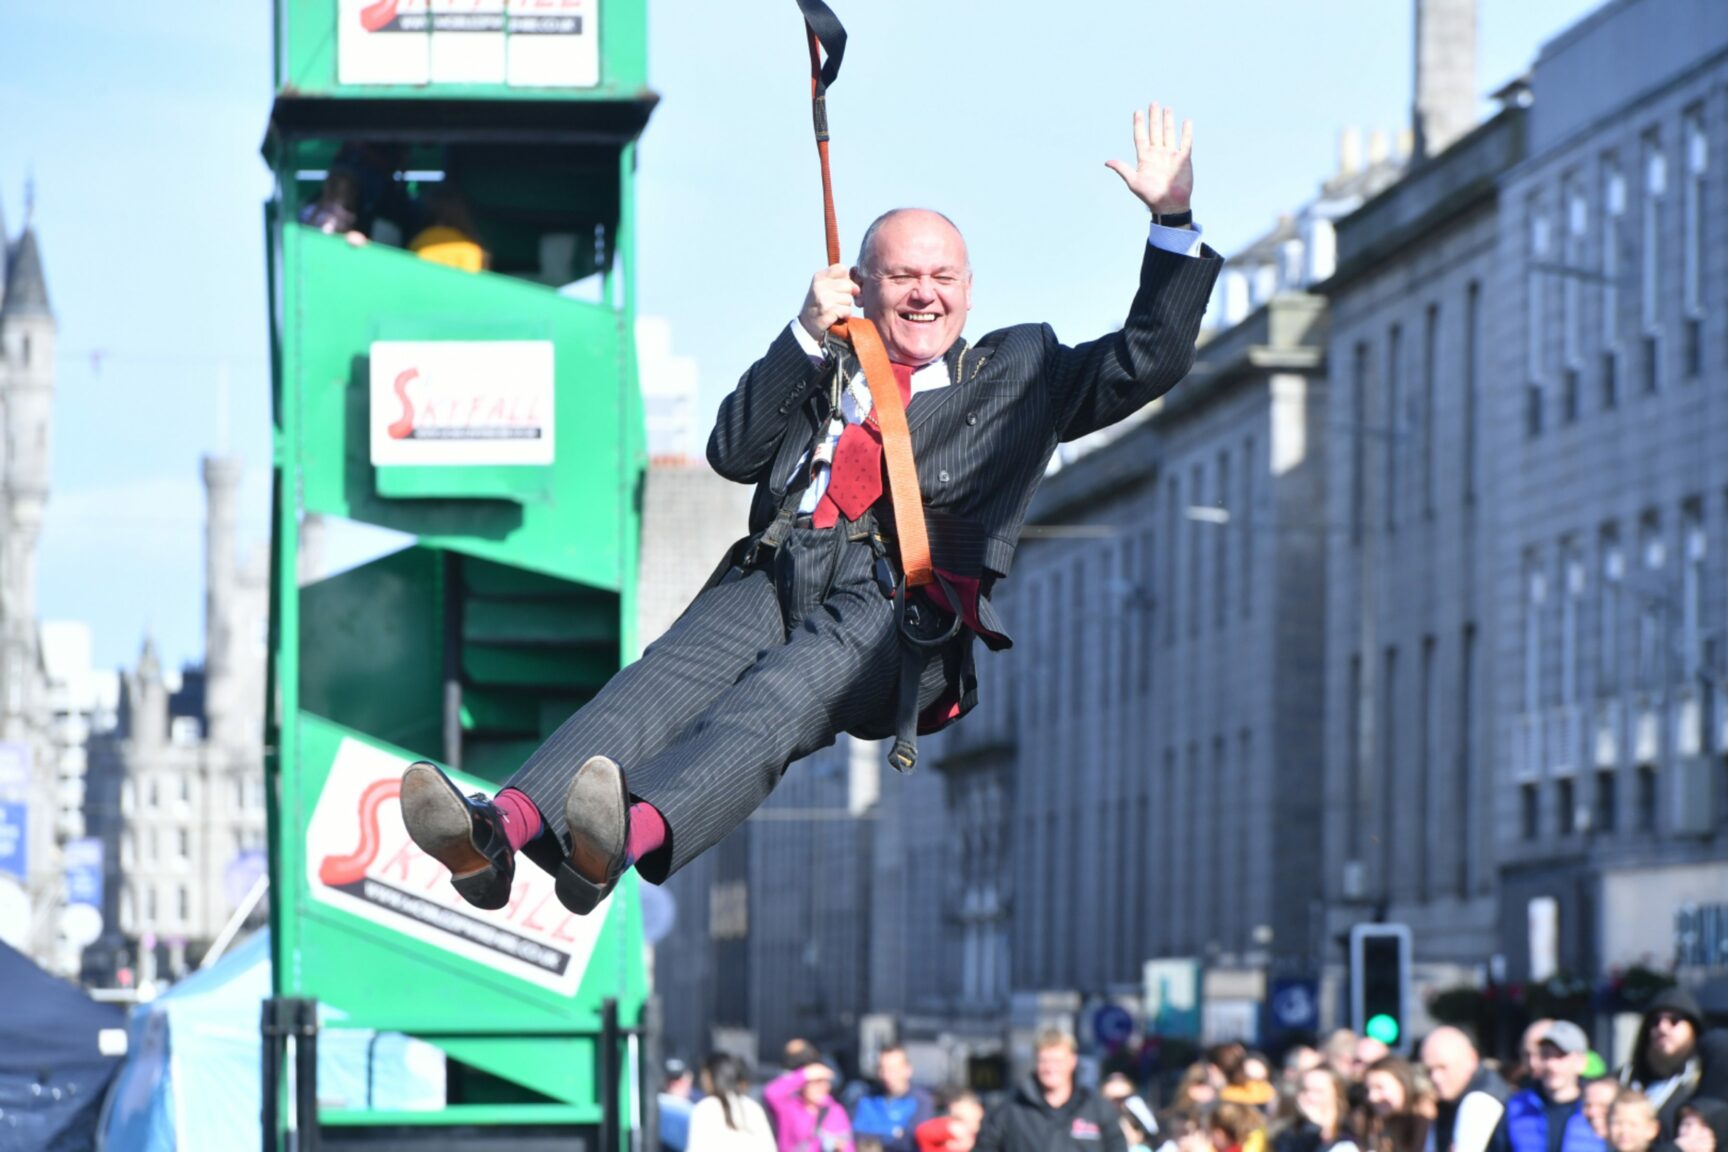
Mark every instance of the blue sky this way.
pixel 142 133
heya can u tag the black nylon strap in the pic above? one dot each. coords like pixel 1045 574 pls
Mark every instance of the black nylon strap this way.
pixel 829 34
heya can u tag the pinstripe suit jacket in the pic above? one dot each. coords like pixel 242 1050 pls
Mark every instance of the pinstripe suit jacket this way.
pixel 981 444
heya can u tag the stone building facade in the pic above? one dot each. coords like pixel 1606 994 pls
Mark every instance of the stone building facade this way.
pixel 1611 563
pixel 1411 511
pixel 176 790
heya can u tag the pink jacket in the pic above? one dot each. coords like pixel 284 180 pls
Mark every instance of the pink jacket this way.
pixel 796 1129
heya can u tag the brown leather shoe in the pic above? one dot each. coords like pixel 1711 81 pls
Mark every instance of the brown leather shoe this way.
pixel 463 833
pixel 597 812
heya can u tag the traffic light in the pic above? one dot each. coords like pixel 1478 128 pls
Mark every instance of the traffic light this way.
pixel 1380 983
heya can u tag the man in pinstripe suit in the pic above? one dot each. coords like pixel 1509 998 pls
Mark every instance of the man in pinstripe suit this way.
pixel 797 639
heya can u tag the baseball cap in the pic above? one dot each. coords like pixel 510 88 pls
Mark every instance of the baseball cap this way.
pixel 1567 1037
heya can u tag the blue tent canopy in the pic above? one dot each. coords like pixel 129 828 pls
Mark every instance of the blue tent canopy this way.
pixel 193 1068
pixel 52 1071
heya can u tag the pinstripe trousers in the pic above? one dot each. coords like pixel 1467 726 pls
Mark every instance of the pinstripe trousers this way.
pixel 758 672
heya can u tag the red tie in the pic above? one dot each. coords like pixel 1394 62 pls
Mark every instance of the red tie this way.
pixel 855 478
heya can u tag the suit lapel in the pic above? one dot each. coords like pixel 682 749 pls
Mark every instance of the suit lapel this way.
pixel 962 363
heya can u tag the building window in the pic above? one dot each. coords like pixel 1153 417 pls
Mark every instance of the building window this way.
pixel 1472 342
pixel 151 845
pixel 1358 442
pixel 150 910
pixel 1430 351
pixel 1692 585
pixel 1196 484
pixel 1692 259
pixel 1536 594
pixel 1172 536
pixel 1427 755
pixel 1577 208
pixel 1608 612
pixel 1650 608
pixel 1606 809
pixel 183 845
pixel 1573 573
pixel 1529 811
pixel 1646 798
pixel 154 794
pixel 183 903
pixel 1465 783
pixel 1650 285
pixel 1386 788
pixel 1568 810
pixel 1249 463
pixel 1534 315
pixel 1613 247
pixel 1357 818
pixel 1221 545
pixel 183 781
pixel 1394 434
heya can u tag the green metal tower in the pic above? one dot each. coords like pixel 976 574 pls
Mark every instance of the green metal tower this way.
pixel 493 418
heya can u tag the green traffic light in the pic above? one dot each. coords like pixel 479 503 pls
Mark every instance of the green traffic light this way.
pixel 1382 1028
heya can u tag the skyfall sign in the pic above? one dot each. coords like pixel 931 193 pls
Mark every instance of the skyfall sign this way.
pixel 461 402
pixel 522 43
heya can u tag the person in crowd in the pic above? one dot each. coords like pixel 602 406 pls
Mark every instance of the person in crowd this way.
pixel 1599 1097
pixel 1529 1054
pixel 807 1118
pixel 1298 1059
pixel 967 1113
pixel 1703 1125
pixel 1549 1116
pixel 1185 1130
pixel 1322 1116
pixel 675 1105
pixel 1195 1090
pixel 1051 1112
pixel 1244 1079
pixel 1238 1128
pixel 893 1106
pixel 1139 1125
pixel 1340 1053
pixel 726 1119
pixel 1675 1059
pixel 450 236
pixel 1369 1051
pixel 1632 1123
pixel 1469 1099
pixel 1398 1107
pixel 336 211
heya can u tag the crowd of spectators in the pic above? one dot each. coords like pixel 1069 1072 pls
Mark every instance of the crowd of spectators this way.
pixel 1350 1094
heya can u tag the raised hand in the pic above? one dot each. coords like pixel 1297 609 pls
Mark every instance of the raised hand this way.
pixel 1162 175
pixel 828 301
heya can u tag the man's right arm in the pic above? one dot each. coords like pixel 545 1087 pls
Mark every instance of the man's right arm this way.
pixel 753 418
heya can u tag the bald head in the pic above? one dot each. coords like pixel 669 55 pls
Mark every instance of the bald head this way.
pixel 906 217
pixel 1451 1059
pixel 915 283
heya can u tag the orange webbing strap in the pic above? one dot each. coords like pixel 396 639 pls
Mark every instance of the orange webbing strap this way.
pixel 896 451
pixel 825 31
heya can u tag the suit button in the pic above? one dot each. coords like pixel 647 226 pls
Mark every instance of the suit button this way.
pixel 971 418
pixel 942 477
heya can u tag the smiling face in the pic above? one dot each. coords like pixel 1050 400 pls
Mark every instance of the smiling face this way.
pixel 917 284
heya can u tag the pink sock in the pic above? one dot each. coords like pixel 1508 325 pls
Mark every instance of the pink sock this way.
pixel 521 819
pixel 648 832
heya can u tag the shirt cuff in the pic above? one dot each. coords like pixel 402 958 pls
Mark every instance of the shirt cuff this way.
pixel 1181 241
pixel 814 350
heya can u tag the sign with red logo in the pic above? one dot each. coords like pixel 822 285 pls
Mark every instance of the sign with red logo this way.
pixel 461 402
pixel 359 859
pixel 524 43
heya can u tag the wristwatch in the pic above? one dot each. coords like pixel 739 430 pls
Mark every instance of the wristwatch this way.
pixel 1173 219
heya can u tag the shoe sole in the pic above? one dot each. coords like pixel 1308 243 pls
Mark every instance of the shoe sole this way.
pixel 438 822
pixel 596 811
